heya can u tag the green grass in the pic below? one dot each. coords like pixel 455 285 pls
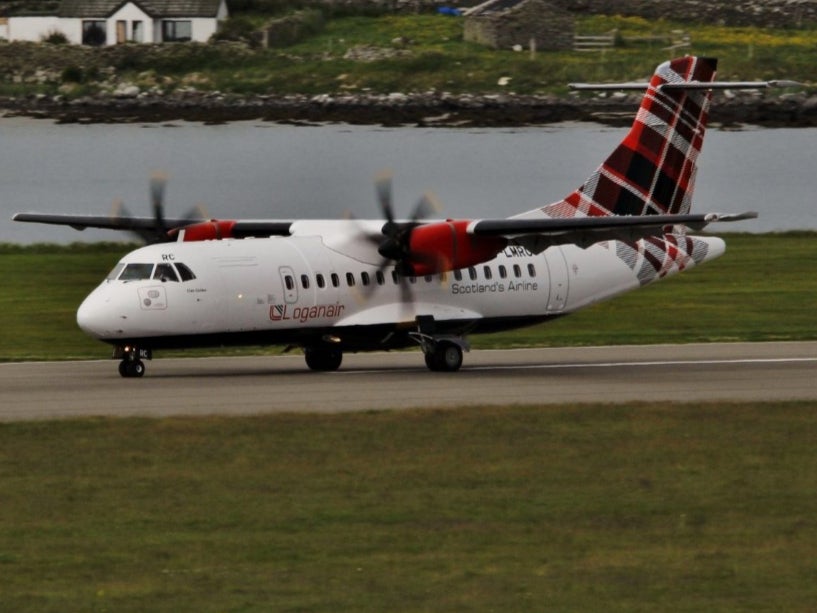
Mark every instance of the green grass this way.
pixel 763 289
pixel 437 58
pixel 584 508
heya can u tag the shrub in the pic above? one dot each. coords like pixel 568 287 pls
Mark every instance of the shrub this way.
pixel 55 37
pixel 72 74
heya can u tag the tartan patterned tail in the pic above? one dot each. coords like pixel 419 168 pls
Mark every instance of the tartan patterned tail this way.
pixel 652 171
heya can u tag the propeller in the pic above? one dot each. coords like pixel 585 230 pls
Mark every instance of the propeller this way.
pixel 155 229
pixel 395 243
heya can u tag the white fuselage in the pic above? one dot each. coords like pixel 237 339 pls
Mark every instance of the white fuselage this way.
pixel 322 280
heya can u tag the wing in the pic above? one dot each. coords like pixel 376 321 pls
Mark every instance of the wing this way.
pixel 146 227
pixel 540 233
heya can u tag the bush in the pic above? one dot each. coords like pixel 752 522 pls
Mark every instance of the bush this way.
pixel 55 37
pixel 72 74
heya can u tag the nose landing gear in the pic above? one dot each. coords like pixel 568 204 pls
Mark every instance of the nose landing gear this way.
pixel 131 364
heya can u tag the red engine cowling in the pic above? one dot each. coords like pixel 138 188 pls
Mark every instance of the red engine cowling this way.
pixel 208 230
pixel 446 245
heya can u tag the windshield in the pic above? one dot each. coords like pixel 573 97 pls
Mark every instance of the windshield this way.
pixel 135 272
pixel 115 272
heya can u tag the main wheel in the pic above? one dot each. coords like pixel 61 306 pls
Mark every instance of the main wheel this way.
pixel 445 357
pixel 323 359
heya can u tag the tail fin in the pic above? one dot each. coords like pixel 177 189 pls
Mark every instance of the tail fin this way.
pixel 652 171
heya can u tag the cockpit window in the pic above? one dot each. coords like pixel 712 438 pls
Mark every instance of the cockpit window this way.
pixel 165 272
pixel 115 272
pixel 135 272
pixel 184 272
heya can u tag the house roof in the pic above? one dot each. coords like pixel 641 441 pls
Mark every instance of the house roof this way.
pixel 154 8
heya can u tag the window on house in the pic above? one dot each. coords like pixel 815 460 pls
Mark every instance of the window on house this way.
pixel 93 32
pixel 137 32
pixel 177 31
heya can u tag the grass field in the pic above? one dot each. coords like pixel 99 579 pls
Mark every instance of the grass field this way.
pixel 763 289
pixel 583 508
pixel 639 507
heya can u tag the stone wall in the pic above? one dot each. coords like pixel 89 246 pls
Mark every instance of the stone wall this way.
pixel 550 27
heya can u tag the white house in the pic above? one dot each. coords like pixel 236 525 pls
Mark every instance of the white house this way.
pixel 108 22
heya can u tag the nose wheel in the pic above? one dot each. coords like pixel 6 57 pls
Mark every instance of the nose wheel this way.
pixel 131 364
pixel 131 368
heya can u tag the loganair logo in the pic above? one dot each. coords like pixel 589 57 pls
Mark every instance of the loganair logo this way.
pixel 285 312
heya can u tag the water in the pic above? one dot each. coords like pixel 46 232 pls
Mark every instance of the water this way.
pixel 262 170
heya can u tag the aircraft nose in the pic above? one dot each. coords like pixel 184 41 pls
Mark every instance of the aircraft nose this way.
pixel 93 317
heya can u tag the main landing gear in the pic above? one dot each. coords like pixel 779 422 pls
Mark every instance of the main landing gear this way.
pixel 131 364
pixel 323 359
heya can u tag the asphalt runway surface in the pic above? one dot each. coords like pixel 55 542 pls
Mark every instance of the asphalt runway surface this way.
pixel 400 380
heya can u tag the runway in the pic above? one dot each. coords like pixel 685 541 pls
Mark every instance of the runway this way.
pixel 258 385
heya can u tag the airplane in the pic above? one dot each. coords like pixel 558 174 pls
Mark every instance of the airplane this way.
pixel 335 286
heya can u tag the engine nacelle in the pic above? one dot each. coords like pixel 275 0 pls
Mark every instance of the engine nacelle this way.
pixel 446 245
pixel 213 229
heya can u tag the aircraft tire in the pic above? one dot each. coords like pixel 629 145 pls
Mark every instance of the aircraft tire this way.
pixel 323 359
pixel 129 369
pixel 445 357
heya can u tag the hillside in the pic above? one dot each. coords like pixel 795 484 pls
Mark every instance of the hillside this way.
pixel 396 69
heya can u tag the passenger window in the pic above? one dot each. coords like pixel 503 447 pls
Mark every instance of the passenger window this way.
pixel 487 271
pixel 350 279
pixel 335 280
pixel 379 277
pixel 184 272
pixel 472 273
pixel 428 278
pixel 394 277
pixel 289 282
pixel 503 273
pixel 136 272
pixel 320 280
pixel 305 281
pixel 531 270
pixel 458 275
pixel 165 272
pixel 517 271
pixel 364 278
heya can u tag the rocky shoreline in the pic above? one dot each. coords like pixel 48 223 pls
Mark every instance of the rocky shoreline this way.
pixel 428 109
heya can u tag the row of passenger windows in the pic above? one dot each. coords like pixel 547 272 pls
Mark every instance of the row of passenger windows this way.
pixel 379 277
